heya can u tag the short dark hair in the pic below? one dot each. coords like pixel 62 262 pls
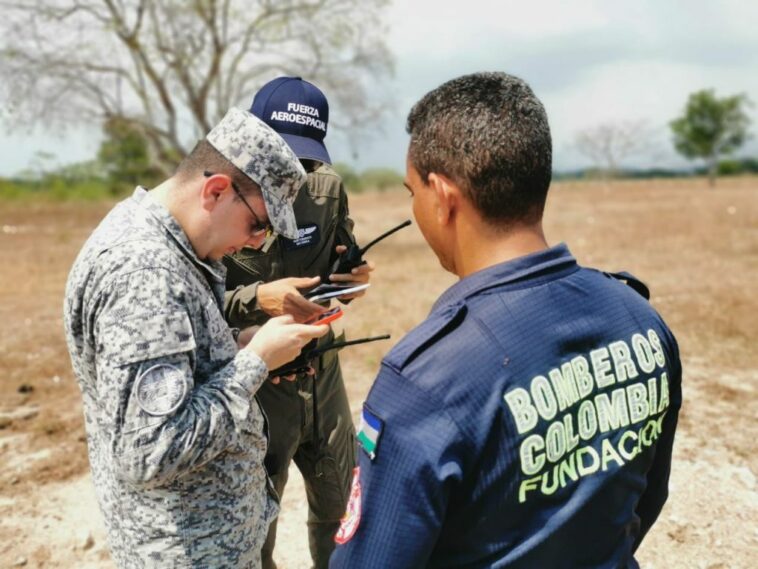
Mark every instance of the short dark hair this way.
pixel 489 134
pixel 205 158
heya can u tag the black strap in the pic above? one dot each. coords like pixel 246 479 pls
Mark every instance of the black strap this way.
pixel 316 429
pixel 633 282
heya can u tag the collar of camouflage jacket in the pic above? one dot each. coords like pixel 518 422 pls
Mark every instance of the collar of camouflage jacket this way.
pixel 215 269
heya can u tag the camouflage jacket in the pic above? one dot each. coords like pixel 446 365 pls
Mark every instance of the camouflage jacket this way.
pixel 176 438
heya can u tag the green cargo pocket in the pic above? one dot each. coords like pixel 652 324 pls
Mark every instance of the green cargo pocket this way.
pixel 333 471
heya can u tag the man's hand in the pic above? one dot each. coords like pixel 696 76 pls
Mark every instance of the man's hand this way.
pixel 359 275
pixel 280 340
pixel 283 297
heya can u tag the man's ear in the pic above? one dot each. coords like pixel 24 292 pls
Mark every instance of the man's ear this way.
pixel 447 197
pixel 213 188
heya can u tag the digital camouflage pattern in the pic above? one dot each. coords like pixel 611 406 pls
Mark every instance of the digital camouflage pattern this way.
pixel 175 435
pixel 256 149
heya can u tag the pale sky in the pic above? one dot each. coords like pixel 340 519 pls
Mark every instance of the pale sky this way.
pixel 589 61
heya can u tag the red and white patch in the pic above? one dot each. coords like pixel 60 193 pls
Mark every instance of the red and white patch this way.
pixel 351 519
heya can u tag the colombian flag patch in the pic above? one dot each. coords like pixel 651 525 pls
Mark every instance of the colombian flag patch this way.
pixel 369 432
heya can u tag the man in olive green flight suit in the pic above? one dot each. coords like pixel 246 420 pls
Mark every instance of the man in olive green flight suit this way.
pixel 309 419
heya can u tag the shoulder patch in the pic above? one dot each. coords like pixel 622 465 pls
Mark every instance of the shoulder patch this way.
pixel 161 389
pixel 370 431
pixel 352 517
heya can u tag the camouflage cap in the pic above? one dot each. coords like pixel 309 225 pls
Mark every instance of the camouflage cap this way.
pixel 257 150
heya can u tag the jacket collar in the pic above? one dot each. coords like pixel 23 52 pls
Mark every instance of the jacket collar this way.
pixel 544 265
pixel 214 269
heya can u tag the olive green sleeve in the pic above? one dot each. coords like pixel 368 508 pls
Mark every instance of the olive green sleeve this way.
pixel 241 307
pixel 345 226
pixel 344 223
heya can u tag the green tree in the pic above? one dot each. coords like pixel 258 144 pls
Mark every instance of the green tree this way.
pixel 125 156
pixel 711 127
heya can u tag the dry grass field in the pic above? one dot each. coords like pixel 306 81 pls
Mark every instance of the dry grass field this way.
pixel 696 248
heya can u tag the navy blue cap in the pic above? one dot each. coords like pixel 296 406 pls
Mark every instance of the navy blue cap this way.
pixel 298 111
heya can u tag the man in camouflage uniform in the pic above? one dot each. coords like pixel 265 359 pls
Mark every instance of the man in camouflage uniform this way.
pixel 175 435
pixel 309 419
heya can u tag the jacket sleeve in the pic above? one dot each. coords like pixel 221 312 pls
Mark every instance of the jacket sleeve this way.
pixel 405 489
pixel 344 232
pixel 241 306
pixel 164 422
pixel 345 225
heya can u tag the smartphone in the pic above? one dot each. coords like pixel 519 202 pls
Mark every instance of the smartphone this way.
pixel 323 292
pixel 327 317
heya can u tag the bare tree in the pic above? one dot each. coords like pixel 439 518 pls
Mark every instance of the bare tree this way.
pixel 172 68
pixel 609 144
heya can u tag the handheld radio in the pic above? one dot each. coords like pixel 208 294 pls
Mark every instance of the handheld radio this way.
pixel 310 352
pixel 353 257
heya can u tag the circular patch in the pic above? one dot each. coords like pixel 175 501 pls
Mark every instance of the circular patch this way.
pixel 161 389
pixel 352 518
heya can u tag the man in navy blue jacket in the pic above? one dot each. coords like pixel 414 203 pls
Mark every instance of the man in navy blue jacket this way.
pixel 529 421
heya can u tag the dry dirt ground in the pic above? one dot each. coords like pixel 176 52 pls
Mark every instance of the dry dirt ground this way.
pixel 696 248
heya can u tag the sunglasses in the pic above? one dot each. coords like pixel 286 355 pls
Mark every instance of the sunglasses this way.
pixel 258 228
